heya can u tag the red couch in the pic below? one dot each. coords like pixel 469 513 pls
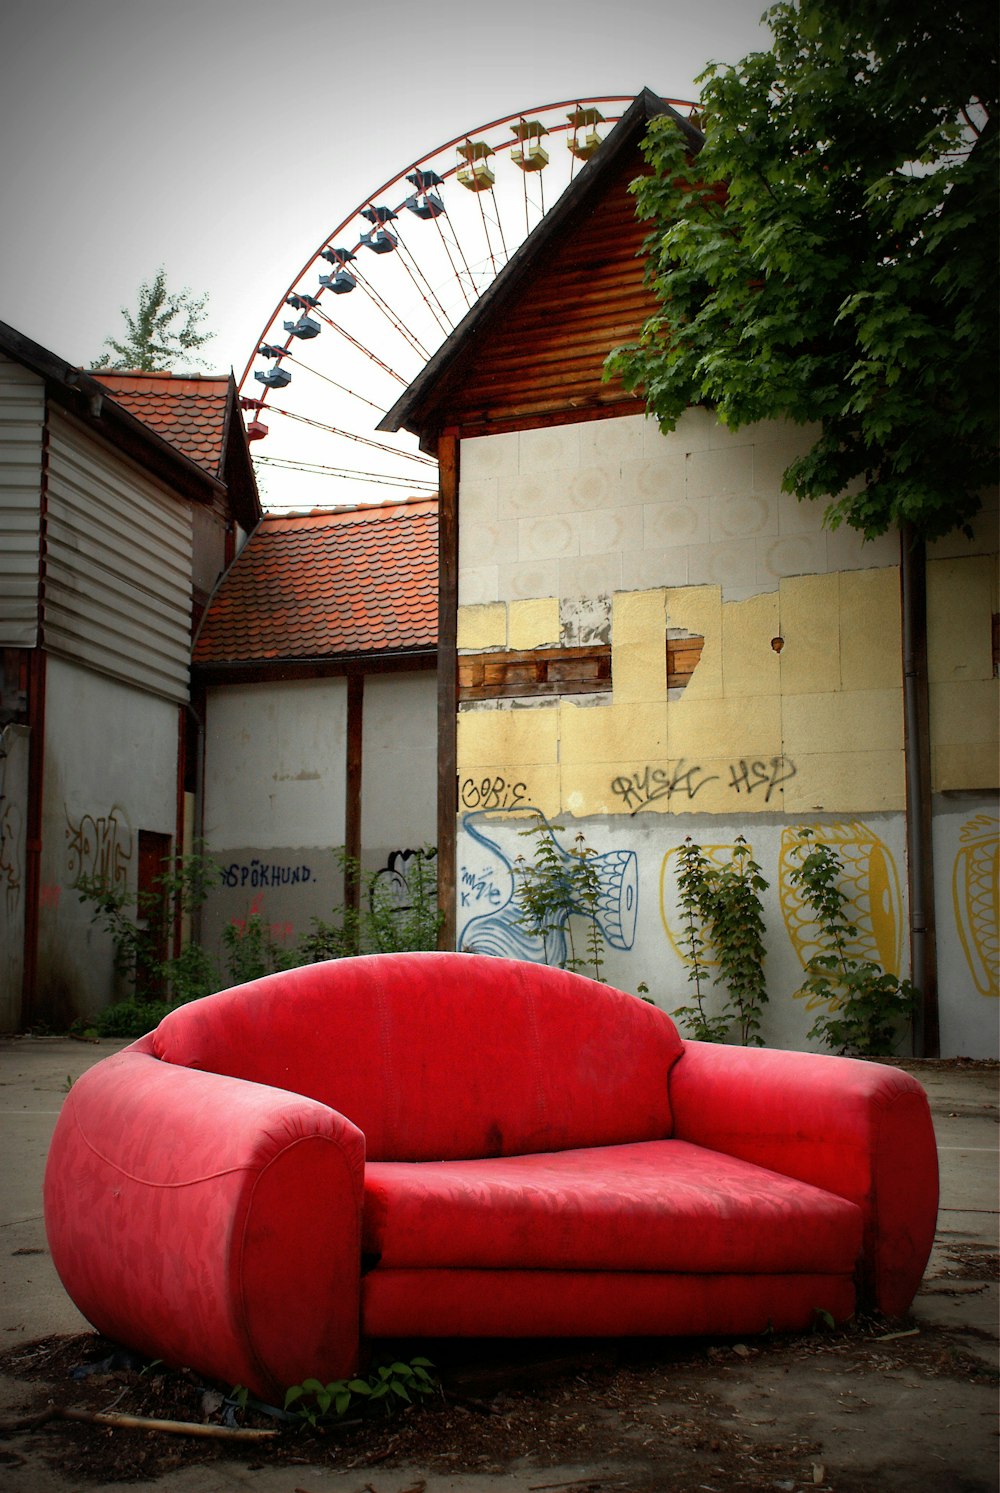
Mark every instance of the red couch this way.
pixel 447 1144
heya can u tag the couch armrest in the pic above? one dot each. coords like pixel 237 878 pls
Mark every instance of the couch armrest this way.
pixel 209 1221
pixel 860 1130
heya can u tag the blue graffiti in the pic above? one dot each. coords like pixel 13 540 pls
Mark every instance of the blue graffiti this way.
pixel 486 893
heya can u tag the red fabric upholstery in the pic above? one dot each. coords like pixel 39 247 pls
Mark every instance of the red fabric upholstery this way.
pixel 207 1221
pixel 860 1130
pixel 556 1303
pixel 440 1056
pixel 658 1205
pixel 205 1187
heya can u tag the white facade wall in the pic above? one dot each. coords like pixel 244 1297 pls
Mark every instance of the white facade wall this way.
pixel 611 532
pixel 110 771
pixel 274 803
pixel 275 793
pixel 14 742
pixel 399 771
pixel 585 511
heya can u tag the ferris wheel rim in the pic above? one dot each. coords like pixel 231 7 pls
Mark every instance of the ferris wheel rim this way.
pixel 415 165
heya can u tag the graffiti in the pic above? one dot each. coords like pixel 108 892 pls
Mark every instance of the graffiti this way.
pixel 486 881
pixel 649 785
pixel 10 853
pixel 100 848
pixel 474 889
pixel 653 783
pixel 718 856
pixel 405 879
pixel 974 892
pixel 256 873
pixel 871 883
pixel 747 777
pixel 492 793
pixel 276 932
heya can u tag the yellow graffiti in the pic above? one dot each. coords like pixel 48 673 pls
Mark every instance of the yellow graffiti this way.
pixel 99 847
pixel 974 890
pixel 717 855
pixel 871 883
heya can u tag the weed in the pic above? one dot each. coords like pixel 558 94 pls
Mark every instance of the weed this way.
pixel 867 1008
pixel 386 1386
pixel 722 916
pixel 556 889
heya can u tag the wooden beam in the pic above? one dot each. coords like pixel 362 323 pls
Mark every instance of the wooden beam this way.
pixel 448 475
pixel 352 797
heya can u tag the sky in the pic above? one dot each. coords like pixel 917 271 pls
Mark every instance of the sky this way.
pixel 224 139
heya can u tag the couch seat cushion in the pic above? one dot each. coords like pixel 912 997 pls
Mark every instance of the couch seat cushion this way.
pixel 651 1205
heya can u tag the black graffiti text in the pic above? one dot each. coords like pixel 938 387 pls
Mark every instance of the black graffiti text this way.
pixel 747 777
pixel 643 788
pixel 492 793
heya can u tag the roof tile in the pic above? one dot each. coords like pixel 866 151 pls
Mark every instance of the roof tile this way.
pixel 189 410
pixel 322 584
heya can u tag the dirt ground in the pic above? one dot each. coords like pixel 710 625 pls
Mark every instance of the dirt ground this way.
pixel 641 1417
pixel 880 1406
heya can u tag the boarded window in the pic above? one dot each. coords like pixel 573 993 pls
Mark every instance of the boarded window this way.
pixel 512 674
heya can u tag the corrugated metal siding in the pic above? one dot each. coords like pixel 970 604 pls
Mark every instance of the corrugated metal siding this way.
pixel 22 420
pixel 118 566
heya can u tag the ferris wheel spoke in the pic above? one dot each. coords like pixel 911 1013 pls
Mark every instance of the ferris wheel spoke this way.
pixel 484 191
pixel 398 325
pixel 350 435
pixel 352 393
pixel 353 474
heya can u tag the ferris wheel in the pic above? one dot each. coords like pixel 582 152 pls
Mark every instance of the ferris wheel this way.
pixel 386 288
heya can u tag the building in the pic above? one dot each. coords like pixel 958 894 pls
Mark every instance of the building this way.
pixel 642 638
pixel 122 500
pixel 315 677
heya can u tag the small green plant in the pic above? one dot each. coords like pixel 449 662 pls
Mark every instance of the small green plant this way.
pixel 693 884
pixel 397 910
pixel 389 1384
pixel 251 951
pixel 401 902
pixel 722 918
pixel 136 922
pixel 556 889
pixel 867 1008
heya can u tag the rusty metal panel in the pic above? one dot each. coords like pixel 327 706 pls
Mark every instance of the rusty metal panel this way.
pixel 118 565
pixel 22 422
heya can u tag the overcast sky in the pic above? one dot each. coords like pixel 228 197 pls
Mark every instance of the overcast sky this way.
pixel 226 138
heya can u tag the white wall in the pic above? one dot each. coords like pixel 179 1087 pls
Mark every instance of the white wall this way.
pixel 274 803
pixel 583 511
pixel 399 771
pixel 110 771
pixel 274 766
pixel 14 743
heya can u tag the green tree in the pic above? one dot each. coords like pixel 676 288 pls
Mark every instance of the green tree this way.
pixel 163 332
pixel 846 271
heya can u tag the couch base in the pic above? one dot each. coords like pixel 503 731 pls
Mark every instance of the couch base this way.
pixel 543 1303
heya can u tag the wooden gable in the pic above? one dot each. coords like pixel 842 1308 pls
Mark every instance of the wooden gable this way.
pixel 532 351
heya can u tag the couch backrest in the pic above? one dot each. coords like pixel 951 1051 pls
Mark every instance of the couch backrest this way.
pixel 437 1056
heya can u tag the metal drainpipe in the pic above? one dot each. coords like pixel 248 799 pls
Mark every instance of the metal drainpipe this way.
pixel 916 756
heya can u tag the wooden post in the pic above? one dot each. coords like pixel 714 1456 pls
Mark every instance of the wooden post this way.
pixel 447 681
pixel 352 792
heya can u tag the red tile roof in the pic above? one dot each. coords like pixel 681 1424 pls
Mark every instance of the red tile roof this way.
pixel 189 410
pixel 322 584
